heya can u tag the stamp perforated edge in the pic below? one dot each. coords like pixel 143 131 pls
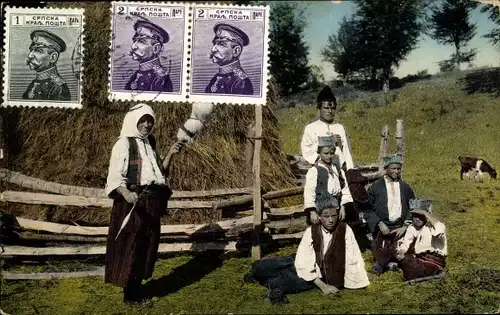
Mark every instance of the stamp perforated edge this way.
pixel 152 97
pixel 5 80
pixel 237 100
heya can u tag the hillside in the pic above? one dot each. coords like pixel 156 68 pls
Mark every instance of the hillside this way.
pixel 441 122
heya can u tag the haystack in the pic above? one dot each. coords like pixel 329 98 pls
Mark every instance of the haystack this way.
pixel 73 146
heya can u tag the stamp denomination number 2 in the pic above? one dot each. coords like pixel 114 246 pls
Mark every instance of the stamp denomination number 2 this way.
pixel 43 57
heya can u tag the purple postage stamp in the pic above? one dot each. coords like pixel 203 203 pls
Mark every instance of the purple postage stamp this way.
pixel 148 51
pixel 229 52
pixel 43 51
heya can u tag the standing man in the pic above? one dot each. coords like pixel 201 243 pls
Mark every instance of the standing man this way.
pixel 324 126
pixel 147 45
pixel 388 215
pixel 45 50
pixel 226 51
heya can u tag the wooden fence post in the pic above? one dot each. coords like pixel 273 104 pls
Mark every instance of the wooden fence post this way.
pixel 249 148
pixel 400 144
pixel 257 204
pixel 384 135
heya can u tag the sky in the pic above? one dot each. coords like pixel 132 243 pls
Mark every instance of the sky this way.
pixel 323 18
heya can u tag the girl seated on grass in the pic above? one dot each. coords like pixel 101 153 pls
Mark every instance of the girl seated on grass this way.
pixel 422 253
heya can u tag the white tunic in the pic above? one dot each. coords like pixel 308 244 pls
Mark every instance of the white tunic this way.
pixel 333 186
pixel 118 163
pixel 431 239
pixel 309 143
pixel 393 199
pixel 355 276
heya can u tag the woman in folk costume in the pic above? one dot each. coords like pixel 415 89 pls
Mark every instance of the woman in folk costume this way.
pixel 325 175
pixel 423 251
pixel 136 181
pixel 328 257
pixel 324 126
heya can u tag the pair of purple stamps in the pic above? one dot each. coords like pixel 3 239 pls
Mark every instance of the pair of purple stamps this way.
pixel 189 52
pixel 167 52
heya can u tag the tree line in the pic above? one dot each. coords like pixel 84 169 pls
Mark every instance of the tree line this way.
pixel 372 42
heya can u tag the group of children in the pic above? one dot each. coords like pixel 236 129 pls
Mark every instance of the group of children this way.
pixel 329 256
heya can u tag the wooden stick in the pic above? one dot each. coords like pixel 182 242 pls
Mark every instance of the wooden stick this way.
pixel 400 145
pixel 29 236
pixel 101 250
pixel 257 204
pixel 42 185
pixel 51 275
pixel 186 229
pixel 80 201
pixel 384 135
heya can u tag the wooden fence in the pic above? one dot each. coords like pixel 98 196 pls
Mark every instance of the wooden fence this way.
pixel 41 239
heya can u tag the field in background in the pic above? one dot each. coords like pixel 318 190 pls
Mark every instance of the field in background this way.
pixel 441 122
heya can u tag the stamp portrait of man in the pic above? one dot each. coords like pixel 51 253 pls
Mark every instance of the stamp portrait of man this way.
pixel 148 43
pixel 227 47
pixel 44 52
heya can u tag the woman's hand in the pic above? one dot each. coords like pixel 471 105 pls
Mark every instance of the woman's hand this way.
pixel 130 197
pixel 176 147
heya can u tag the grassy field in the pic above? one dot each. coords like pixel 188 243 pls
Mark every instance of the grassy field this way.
pixel 441 122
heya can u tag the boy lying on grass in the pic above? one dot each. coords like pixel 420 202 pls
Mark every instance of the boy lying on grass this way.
pixel 328 257
pixel 422 253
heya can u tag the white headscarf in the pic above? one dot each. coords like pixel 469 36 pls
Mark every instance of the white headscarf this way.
pixel 129 126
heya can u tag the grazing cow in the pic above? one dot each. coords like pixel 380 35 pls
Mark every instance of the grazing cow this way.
pixel 472 164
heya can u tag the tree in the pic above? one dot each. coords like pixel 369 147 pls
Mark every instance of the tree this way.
pixel 288 52
pixel 343 49
pixel 388 31
pixel 450 25
pixel 494 14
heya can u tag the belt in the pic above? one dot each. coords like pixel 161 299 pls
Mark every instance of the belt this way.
pixel 150 189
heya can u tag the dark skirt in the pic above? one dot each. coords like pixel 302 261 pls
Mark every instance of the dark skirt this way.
pixel 132 256
pixel 416 266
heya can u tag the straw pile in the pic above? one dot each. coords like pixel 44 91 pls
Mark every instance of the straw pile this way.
pixel 73 146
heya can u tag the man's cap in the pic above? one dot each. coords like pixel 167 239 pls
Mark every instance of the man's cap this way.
pixel 232 33
pixel 421 204
pixel 44 38
pixel 326 95
pixel 325 141
pixel 392 159
pixel 145 28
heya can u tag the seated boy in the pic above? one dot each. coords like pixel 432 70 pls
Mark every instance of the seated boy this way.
pixel 423 250
pixel 328 257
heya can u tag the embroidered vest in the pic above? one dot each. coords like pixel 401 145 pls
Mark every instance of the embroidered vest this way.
pixel 135 160
pixel 332 264
pixel 322 181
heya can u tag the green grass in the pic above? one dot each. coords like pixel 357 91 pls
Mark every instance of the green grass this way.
pixel 441 122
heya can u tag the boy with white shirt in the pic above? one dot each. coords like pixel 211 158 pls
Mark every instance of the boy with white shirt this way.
pixel 324 126
pixel 423 251
pixel 328 258
pixel 325 176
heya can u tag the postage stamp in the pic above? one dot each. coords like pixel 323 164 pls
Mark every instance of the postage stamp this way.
pixel 148 52
pixel 43 51
pixel 229 52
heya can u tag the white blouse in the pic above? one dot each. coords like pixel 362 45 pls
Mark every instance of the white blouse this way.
pixel 309 142
pixel 431 239
pixel 333 186
pixel 355 276
pixel 118 165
